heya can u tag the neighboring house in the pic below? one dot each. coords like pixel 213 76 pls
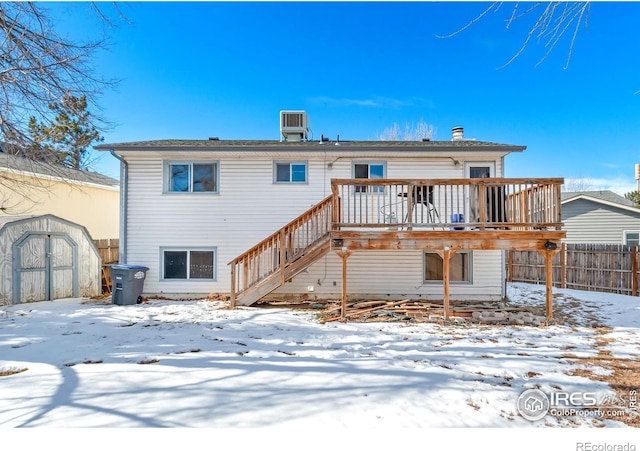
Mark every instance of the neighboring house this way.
pixel 601 217
pixel 34 188
pixel 192 207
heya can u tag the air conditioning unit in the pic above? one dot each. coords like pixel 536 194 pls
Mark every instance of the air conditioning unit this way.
pixel 294 126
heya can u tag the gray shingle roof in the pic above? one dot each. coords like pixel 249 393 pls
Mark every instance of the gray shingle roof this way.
pixel 257 145
pixel 18 163
pixel 606 195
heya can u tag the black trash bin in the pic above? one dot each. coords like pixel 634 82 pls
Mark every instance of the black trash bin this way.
pixel 127 283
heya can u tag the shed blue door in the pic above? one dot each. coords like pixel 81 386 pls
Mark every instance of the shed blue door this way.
pixel 44 267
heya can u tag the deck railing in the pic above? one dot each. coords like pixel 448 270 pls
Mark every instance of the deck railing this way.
pixel 280 249
pixel 447 204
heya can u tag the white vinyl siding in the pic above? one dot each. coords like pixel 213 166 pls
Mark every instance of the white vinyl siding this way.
pixel 396 275
pixel 250 207
pixel 586 221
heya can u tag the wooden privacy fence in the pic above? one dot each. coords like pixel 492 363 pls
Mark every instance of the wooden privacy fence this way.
pixel 611 268
pixel 108 249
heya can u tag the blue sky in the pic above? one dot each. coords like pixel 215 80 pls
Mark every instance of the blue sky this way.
pixel 193 70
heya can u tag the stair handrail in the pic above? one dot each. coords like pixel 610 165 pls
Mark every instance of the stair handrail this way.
pixel 281 235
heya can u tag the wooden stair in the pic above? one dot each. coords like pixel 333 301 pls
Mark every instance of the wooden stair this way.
pixel 282 255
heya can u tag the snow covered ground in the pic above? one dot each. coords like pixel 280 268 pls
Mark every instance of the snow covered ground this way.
pixel 185 364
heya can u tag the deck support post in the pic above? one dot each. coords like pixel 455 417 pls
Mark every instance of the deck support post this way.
pixel 344 254
pixel 446 255
pixel 548 264
pixel 232 297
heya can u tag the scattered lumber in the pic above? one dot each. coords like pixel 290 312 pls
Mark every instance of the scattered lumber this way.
pixel 409 310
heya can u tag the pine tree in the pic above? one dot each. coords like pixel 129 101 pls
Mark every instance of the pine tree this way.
pixel 634 196
pixel 67 138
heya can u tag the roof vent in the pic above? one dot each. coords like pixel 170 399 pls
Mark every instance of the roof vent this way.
pixel 457 134
pixel 294 126
pixel 214 138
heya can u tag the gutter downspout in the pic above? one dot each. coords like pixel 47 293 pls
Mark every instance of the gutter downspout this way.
pixel 124 188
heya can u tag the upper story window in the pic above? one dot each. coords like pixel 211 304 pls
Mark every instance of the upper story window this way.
pixel 290 172
pixel 369 170
pixel 190 177
pixel 632 237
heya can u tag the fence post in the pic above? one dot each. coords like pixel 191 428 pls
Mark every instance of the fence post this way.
pixel 510 265
pixel 563 266
pixel 634 271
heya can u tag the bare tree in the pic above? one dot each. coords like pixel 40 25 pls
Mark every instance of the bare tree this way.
pixel 39 68
pixel 572 185
pixel 412 132
pixel 551 22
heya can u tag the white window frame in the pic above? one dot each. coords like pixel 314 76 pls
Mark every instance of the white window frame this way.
pixel 369 163
pixel 625 239
pixel 290 163
pixel 479 164
pixel 166 183
pixel 188 250
pixel 451 282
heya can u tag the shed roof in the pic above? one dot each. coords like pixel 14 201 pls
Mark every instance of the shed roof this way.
pixel 6 219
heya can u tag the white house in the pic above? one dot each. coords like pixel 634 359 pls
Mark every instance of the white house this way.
pixel 190 207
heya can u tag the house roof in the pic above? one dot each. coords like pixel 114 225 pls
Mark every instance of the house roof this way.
pixel 605 197
pixel 18 164
pixel 297 146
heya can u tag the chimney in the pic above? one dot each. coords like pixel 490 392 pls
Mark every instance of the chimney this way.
pixel 456 134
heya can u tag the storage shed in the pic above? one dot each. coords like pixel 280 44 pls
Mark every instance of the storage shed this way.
pixel 44 258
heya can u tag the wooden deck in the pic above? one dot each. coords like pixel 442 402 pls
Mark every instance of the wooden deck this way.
pixel 443 215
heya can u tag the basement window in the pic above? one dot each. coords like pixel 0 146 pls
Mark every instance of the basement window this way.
pixel 189 264
pixel 290 172
pixel 190 177
pixel 459 267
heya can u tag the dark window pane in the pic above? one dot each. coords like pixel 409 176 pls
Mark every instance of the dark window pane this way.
pixel 480 172
pixel 201 265
pixel 361 171
pixel 432 267
pixel 204 177
pixel 175 264
pixel 282 172
pixel 633 238
pixel 298 173
pixel 179 178
pixel 459 267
